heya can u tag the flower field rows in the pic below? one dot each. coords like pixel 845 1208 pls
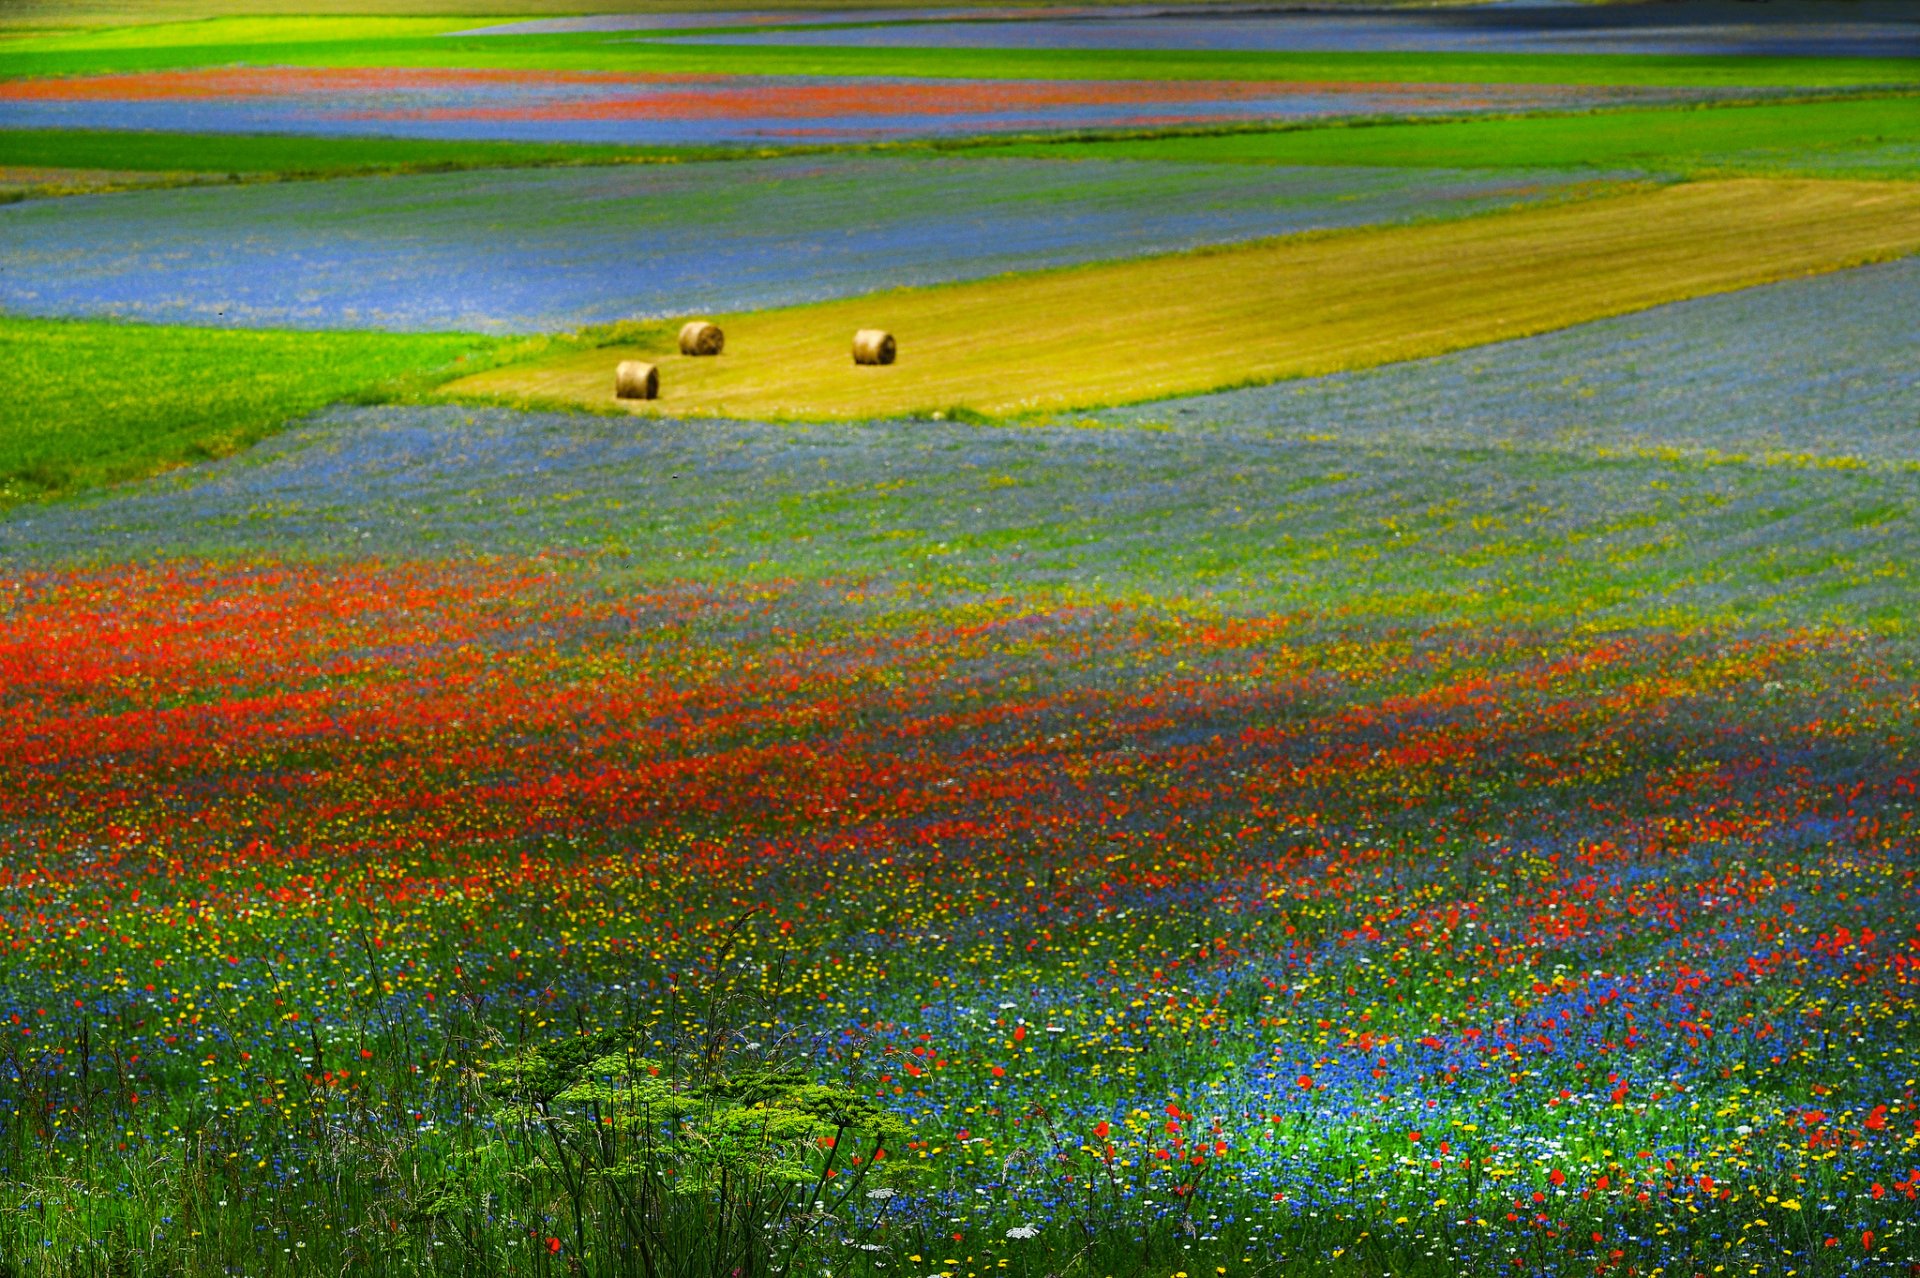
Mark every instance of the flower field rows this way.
pixel 1259 518
pixel 548 248
pixel 675 108
pixel 1263 311
pixel 1245 938
pixel 1430 788
pixel 1825 369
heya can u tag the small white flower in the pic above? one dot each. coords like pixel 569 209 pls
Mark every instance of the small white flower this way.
pixel 1023 1231
pixel 1005 1006
pixel 882 1193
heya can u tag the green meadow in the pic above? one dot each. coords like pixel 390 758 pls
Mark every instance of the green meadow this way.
pixel 1875 136
pixel 253 155
pixel 92 402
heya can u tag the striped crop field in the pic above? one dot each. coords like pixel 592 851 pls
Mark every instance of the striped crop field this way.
pixel 538 250
pixel 655 108
pixel 1162 326
pixel 344 44
pixel 1348 707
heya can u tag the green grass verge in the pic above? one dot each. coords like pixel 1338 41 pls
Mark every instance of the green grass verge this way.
pixel 1852 137
pixel 92 402
pixel 70 55
pixel 298 155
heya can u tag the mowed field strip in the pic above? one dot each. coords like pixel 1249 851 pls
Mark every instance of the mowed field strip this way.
pixel 1148 328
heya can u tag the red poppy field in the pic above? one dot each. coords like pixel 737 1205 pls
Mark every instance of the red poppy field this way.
pixel 1257 939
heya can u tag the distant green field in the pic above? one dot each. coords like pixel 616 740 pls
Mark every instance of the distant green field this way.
pixel 344 44
pixel 92 402
pixel 300 154
pixel 1861 137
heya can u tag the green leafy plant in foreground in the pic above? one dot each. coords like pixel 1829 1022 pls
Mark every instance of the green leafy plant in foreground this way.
pixel 674 1168
pixel 687 1162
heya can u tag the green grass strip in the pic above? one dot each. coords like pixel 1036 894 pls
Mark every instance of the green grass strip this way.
pixel 94 402
pixel 300 155
pixel 1853 137
pixel 91 402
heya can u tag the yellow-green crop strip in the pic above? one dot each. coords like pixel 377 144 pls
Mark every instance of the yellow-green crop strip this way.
pixel 1304 306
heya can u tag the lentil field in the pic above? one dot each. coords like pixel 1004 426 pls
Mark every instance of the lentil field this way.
pixel 1349 707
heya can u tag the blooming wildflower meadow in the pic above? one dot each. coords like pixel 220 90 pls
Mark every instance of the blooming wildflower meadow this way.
pixel 1454 817
pixel 1247 938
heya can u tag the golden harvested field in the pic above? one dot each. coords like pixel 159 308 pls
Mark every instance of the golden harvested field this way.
pixel 1148 328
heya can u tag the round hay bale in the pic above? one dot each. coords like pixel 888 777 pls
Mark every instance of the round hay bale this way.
pixel 698 337
pixel 873 346
pixel 635 379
